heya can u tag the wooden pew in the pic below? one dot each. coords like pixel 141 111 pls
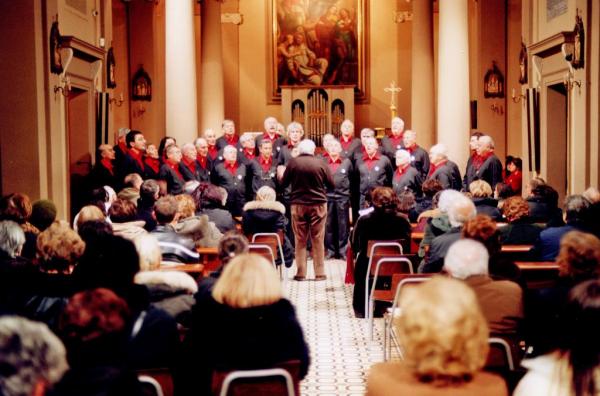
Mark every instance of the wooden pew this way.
pixel 539 274
pixel 209 257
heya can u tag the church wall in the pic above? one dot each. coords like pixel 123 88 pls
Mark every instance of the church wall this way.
pixel 513 48
pixel 120 114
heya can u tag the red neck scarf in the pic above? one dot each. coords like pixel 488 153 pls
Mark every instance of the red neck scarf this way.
pixel 401 171
pixel 265 164
pixel 411 148
pixel 191 164
pixel 123 146
pixel 249 153
pixel 433 167
pixel 231 140
pixel 213 151
pixel 396 140
pixel 108 165
pixel 136 155
pixel 175 167
pixel 203 161
pixel 478 160
pixel 371 161
pixel 153 163
pixel 334 164
pixel 231 167
pixel 346 143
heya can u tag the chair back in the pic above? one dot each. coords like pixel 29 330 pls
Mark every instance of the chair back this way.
pixel 500 357
pixel 262 250
pixel 272 239
pixel 377 250
pixel 150 386
pixel 162 376
pixel 281 379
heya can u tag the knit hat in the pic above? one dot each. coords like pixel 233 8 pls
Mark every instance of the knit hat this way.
pixel 43 214
pixel 265 193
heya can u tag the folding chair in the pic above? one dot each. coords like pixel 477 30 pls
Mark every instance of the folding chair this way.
pixel 162 376
pixel 150 386
pixel 262 250
pixel 254 382
pixel 500 357
pixel 389 336
pixel 387 266
pixel 378 250
pixel 275 240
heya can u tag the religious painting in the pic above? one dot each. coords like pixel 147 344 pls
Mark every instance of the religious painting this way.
pixel 318 43
pixel 493 84
pixel 578 43
pixel 523 64
pixel 141 86
pixel 56 66
pixel 110 69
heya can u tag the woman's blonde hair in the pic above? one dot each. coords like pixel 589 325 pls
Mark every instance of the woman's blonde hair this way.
pixel 149 252
pixel 480 189
pixel 59 247
pixel 442 330
pixel 186 207
pixel 89 213
pixel 248 280
pixel 579 256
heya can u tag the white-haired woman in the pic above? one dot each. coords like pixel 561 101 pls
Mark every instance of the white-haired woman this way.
pixel 245 324
pixel 265 214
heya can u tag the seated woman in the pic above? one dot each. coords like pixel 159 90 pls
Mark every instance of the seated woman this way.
pixel 124 219
pixel 199 228
pixel 210 200
pixel 572 368
pixel 445 341
pixel 248 322
pixel 383 223
pixel 519 230
pixel 94 328
pixel 483 199
pixel 17 207
pixel 265 214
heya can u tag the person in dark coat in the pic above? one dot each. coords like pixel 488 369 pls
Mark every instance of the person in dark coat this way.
pixel 469 176
pixel 247 148
pixel 263 169
pixel 405 177
pixel 189 167
pixel 94 328
pixel 430 187
pixel 246 296
pixel 229 137
pixel 442 169
pixel 337 228
pixel 394 142
pixel 265 214
pixel 347 140
pixel 483 200
pixel 543 206
pixel 383 223
pixel 231 175
pixel 419 158
pixel 210 201
pixel 120 146
pixel 169 171
pixel 211 141
pixel 519 230
pixel 104 172
pixel 487 166
pixel 165 142
pixel 270 133
pixel 133 161
pixel 547 246
pixel 204 162
pixel 152 162
pixel 17 207
pixel 149 194
pixel 373 168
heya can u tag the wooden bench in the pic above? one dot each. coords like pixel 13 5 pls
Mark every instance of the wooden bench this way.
pixel 209 258
pixel 539 274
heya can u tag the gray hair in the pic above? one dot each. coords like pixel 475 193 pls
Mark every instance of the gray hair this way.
pixel 401 122
pixel 486 140
pixel 307 146
pixel 576 207
pixel 246 137
pixel 403 154
pixel 294 125
pixel 228 148
pixel 29 353
pixel 12 238
pixel 461 210
pixel 187 146
pixel 465 258
pixel 447 197
pixel 410 132
pixel 199 140
pixel 439 149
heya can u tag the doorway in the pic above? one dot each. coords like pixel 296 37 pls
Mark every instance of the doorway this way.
pixel 556 139
pixel 78 142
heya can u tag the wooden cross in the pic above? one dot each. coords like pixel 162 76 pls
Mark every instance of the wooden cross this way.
pixel 393 89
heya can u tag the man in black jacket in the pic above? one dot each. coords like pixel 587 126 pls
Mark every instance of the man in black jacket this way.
pixel 406 177
pixel 373 168
pixel 231 175
pixel 309 178
pixel 442 169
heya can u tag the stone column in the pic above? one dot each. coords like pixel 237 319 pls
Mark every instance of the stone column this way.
pixel 422 95
pixel 212 86
pixel 180 71
pixel 453 113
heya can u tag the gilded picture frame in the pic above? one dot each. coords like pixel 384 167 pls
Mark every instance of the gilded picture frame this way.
pixel 317 43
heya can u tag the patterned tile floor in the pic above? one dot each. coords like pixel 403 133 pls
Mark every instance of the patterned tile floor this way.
pixel 341 353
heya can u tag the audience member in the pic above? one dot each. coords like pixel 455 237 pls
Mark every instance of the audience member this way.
pixel 210 200
pixel 519 230
pixel 571 369
pixel 149 194
pixel 501 301
pixel 265 214
pixel 593 195
pixel 438 223
pixel 199 228
pixel 248 296
pixel 94 328
pixel 578 261
pixel 515 178
pixel 383 223
pixel 32 358
pixel 43 214
pixel 174 247
pixel 88 213
pixel 483 200
pixel 445 341
pixel 543 205
pixel 171 291
pixel 124 219
pixel 576 210
pixel 429 187
pixel 17 207
pixel 460 210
